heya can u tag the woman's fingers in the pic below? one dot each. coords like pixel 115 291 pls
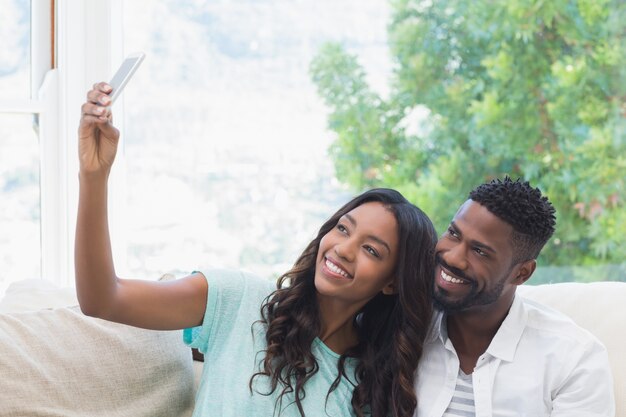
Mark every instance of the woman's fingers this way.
pixel 90 122
pixel 91 109
pixel 102 86
pixel 95 114
pixel 99 94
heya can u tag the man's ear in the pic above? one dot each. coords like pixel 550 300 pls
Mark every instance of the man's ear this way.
pixel 524 271
pixel 389 289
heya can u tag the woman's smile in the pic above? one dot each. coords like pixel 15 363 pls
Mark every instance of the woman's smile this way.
pixel 334 269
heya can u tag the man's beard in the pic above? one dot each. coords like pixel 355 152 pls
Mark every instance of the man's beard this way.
pixel 471 299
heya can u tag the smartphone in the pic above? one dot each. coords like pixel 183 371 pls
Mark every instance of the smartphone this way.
pixel 123 74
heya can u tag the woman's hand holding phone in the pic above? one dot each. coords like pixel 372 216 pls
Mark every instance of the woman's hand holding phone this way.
pixel 98 138
pixel 148 304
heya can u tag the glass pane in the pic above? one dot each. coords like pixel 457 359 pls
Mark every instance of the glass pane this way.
pixel 15 50
pixel 226 139
pixel 20 248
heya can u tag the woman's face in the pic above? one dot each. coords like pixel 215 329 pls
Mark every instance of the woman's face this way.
pixel 356 258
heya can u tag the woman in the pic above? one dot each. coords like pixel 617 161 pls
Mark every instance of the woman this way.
pixel 340 334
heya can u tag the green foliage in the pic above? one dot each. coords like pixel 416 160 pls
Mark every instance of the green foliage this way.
pixel 529 88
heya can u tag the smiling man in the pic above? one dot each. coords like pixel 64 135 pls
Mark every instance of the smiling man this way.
pixel 490 352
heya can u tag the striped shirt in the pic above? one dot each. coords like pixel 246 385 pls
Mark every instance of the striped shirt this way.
pixel 462 403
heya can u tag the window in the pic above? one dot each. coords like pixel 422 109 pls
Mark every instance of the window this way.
pixel 19 189
pixel 225 138
pixel 225 149
pixel 19 150
pixel 33 242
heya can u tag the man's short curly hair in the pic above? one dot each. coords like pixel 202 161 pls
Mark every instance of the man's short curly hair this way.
pixel 530 214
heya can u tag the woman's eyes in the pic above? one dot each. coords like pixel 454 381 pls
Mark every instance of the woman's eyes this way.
pixel 343 229
pixel 372 251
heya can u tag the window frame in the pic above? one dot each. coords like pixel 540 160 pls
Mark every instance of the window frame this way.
pixel 88 42
pixel 72 44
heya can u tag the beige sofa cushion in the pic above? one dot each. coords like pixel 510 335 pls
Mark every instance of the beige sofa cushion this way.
pixel 59 362
pixel 599 307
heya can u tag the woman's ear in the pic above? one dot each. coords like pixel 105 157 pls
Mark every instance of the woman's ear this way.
pixel 389 289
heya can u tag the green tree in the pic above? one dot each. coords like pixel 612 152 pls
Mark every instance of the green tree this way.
pixel 527 88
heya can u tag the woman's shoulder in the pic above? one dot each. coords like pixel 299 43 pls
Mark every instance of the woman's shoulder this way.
pixel 236 281
pixel 233 304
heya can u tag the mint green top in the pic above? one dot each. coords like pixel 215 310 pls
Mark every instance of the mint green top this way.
pixel 233 349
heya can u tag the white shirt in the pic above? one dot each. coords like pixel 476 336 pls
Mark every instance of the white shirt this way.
pixel 539 364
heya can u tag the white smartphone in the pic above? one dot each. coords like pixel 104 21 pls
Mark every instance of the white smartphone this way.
pixel 124 73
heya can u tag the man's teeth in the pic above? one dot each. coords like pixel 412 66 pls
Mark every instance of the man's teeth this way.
pixel 451 279
pixel 334 268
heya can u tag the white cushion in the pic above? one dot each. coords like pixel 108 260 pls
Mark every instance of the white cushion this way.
pixel 36 294
pixel 59 362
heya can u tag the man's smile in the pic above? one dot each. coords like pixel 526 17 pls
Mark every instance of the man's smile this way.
pixel 449 278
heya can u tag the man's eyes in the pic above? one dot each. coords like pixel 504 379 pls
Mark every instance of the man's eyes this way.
pixel 480 252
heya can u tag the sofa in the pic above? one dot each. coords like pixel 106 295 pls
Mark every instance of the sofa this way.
pixel 56 362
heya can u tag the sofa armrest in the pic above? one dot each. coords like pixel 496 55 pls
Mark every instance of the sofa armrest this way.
pixel 59 362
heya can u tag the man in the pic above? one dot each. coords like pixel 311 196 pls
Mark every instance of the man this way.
pixel 490 353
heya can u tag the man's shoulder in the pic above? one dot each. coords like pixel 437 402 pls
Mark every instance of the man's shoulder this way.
pixel 548 323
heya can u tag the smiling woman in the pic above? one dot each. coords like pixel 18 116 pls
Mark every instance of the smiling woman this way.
pixel 372 261
pixel 318 331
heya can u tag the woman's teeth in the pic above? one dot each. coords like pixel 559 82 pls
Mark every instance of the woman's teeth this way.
pixel 334 268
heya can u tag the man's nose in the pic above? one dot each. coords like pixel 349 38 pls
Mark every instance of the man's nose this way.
pixel 456 257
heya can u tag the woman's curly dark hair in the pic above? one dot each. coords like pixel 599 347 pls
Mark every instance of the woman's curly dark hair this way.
pixel 391 328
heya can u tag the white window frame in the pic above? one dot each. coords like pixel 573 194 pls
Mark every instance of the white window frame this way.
pixel 40 104
pixel 87 39
pixel 89 42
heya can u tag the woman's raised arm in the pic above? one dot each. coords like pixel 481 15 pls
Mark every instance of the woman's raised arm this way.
pixel 148 304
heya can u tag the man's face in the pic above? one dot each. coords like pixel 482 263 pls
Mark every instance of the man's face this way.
pixel 474 261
